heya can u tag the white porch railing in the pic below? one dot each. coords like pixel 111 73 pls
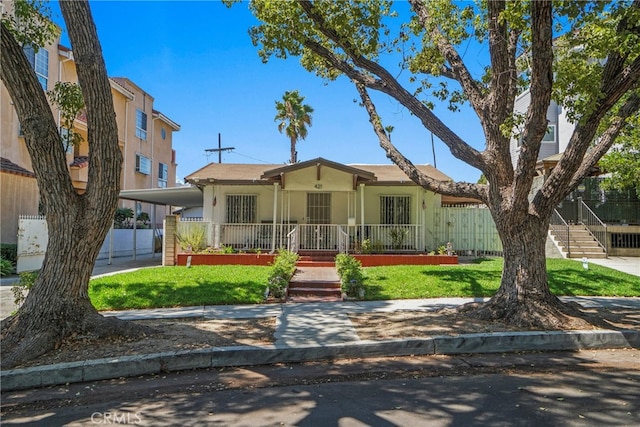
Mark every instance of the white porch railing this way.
pixel 380 238
pixel 306 237
pixel 238 236
pixel 471 231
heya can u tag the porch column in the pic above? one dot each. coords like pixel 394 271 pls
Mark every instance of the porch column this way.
pixel 361 213
pixel 275 215
pixel 208 204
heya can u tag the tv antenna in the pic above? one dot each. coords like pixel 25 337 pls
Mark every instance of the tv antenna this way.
pixel 220 149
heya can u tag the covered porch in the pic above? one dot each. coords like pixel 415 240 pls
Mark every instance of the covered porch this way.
pixel 317 205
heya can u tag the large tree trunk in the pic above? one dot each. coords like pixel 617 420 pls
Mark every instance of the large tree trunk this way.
pixel 524 298
pixel 58 304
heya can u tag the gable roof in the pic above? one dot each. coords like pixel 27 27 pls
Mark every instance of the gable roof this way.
pixel 319 162
pixel 392 174
pixel 236 173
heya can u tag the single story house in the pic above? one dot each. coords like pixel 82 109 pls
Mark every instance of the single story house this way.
pixel 317 205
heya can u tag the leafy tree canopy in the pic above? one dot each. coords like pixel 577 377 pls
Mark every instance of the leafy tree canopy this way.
pixel 623 161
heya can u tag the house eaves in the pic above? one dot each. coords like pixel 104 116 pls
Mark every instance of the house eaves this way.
pixel 158 115
pixel 230 174
pixel 121 89
pixel 7 166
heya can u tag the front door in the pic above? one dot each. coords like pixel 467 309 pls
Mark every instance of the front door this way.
pixel 318 234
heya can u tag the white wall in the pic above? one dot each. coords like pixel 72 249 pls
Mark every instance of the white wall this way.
pixel 33 240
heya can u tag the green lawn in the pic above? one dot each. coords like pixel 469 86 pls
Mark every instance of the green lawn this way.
pixel 228 284
pixel 180 287
pixel 482 279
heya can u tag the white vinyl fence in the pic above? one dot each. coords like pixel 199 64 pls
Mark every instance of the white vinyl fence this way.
pixel 470 230
pixel 33 240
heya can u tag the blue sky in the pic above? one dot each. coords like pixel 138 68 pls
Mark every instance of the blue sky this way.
pixel 196 59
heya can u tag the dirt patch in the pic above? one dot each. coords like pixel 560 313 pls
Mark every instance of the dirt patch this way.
pixel 449 321
pixel 169 335
pixel 194 333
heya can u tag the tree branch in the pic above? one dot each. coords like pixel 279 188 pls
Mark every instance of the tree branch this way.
pixel 606 140
pixel 386 83
pixel 441 187
pixel 458 70
pixel 41 134
pixel 616 81
pixel 105 157
pixel 535 125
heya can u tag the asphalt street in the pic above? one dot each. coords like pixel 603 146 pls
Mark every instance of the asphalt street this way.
pixel 591 388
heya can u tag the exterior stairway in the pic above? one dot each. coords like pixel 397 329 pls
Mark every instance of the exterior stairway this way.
pixel 316 259
pixel 314 284
pixel 581 243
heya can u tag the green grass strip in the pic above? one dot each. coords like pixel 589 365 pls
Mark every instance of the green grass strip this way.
pixel 180 287
pixel 482 279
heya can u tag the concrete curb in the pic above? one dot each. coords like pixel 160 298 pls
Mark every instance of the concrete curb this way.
pixel 127 366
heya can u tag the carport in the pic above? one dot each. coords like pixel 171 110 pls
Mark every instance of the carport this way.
pixel 184 197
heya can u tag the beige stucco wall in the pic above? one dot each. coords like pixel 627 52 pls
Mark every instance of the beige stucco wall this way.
pixel 19 197
pixel 330 180
pixel 155 148
pixel 62 68
pixel 292 204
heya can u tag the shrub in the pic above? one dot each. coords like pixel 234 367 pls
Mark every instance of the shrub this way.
pixel 122 217
pixel 351 277
pixel 27 280
pixel 397 237
pixel 9 251
pixel 282 269
pixel 6 267
pixel 193 239
pixel 366 246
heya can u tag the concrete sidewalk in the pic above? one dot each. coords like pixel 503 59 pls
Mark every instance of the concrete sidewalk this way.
pixel 316 331
pixel 320 331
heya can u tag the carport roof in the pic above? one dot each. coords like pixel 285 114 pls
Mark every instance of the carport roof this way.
pixel 186 197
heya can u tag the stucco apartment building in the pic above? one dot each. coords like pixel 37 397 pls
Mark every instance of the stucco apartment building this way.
pixel 145 136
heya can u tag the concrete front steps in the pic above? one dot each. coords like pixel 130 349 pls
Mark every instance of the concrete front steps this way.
pixel 581 243
pixel 316 259
pixel 314 284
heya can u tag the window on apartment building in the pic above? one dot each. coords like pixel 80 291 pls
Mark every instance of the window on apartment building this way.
pixel 518 139
pixel 395 209
pixel 40 62
pixel 550 135
pixel 66 137
pixel 163 133
pixel 242 208
pixel 143 164
pixel 163 175
pixel 141 124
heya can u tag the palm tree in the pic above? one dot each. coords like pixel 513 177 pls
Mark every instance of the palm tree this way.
pixel 294 116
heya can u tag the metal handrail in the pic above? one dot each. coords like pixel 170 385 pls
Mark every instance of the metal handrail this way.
pixel 292 240
pixel 343 241
pixel 560 229
pixel 594 225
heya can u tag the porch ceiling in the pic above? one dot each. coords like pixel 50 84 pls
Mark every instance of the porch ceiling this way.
pixel 185 197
